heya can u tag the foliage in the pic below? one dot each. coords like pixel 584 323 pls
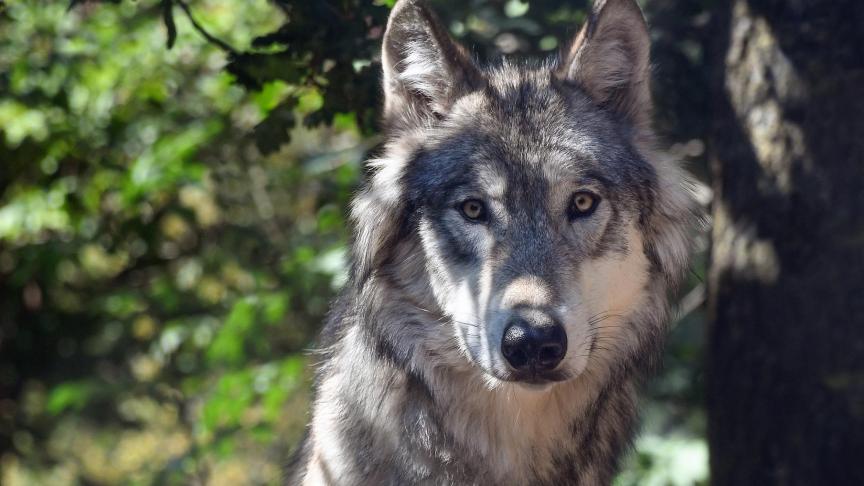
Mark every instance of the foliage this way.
pixel 174 180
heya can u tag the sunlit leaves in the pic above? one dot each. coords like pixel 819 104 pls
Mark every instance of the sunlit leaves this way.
pixel 228 345
pixel 20 122
pixel 31 213
pixel 666 461
pixel 141 237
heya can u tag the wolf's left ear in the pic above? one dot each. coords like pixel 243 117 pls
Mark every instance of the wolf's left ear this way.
pixel 609 59
pixel 424 69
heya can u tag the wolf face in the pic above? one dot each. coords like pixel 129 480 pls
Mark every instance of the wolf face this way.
pixel 548 229
pixel 528 202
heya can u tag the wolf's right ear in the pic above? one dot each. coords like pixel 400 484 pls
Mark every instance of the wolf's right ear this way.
pixel 424 69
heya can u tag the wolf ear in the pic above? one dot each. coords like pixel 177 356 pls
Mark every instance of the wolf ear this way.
pixel 424 69
pixel 609 59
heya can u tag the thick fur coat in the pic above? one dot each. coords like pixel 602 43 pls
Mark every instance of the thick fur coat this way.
pixel 506 195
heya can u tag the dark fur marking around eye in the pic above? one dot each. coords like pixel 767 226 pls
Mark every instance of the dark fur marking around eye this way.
pixel 613 238
pixel 462 251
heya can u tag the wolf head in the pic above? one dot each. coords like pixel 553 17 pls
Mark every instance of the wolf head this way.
pixel 522 203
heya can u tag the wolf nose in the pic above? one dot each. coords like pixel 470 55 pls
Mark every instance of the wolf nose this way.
pixel 539 347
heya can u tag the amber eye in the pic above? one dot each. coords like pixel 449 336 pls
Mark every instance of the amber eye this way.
pixel 583 204
pixel 473 210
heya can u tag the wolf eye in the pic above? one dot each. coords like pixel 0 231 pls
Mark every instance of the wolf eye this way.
pixel 583 204
pixel 473 210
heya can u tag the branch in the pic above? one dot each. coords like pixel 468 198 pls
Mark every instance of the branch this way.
pixel 692 301
pixel 210 38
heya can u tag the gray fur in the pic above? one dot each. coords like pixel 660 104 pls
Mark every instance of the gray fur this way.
pixel 412 387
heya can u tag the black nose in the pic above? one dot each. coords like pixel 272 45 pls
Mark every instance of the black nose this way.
pixel 538 347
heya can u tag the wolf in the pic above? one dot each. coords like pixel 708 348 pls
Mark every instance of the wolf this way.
pixel 514 248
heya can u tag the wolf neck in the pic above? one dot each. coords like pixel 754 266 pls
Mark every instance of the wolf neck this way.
pixel 517 431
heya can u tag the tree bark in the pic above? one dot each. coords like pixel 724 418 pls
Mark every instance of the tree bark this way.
pixel 785 374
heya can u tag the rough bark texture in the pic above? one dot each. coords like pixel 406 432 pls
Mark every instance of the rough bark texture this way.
pixel 786 344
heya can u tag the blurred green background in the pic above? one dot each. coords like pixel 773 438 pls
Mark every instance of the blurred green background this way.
pixel 174 178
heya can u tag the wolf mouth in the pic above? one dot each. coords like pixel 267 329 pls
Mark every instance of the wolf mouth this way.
pixel 532 378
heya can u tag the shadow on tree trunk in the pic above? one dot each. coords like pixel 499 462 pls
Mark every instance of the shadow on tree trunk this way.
pixel 785 390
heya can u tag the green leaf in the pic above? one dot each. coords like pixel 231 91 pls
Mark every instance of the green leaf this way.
pixel 227 347
pixel 72 395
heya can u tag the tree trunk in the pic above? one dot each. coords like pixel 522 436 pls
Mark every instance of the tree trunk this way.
pixel 785 384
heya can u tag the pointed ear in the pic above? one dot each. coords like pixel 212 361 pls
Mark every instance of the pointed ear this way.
pixel 424 69
pixel 609 59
